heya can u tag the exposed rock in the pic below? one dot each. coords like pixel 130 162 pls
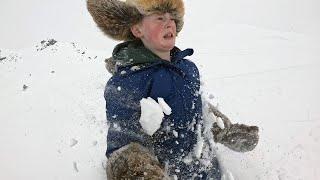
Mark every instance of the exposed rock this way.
pixel 25 87
pixel 45 44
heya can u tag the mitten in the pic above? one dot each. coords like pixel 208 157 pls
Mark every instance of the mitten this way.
pixel 237 137
pixel 134 162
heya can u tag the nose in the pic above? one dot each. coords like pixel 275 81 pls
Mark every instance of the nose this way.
pixel 169 20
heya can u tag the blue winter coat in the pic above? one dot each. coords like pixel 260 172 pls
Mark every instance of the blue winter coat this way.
pixel 140 74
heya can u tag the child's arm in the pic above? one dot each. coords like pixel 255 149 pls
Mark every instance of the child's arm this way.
pixel 123 112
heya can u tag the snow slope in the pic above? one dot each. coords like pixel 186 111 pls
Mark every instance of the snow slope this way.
pixel 261 64
pixel 52 113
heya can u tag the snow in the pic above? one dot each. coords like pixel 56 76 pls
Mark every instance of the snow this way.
pixel 50 127
pixel 164 106
pixel 175 133
pixel 259 61
pixel 134 68
pixel 227 176
pixel 220 123
pixel 200 142
pixel 151 115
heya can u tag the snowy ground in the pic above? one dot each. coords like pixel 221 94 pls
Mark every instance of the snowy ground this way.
pixel 52 107
pixel 52 113
pixel 274 85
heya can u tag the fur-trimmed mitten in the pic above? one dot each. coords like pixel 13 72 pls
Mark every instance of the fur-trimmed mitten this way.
pixel 134 162
pixel 237 137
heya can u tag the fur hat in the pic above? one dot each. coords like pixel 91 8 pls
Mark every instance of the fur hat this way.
pixel 115 17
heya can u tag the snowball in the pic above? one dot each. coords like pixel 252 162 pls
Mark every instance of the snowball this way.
pixel 119 88
pixel 220 123
pixel 151 115
pixel 165 107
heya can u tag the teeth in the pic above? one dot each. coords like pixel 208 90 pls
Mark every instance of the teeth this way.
pixel 168 35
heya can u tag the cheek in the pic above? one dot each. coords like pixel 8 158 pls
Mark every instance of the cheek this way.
pixel 155 32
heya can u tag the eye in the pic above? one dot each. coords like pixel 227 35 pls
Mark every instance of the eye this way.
pixel 160 18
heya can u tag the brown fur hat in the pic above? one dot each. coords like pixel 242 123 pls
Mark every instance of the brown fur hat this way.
pixel 115 17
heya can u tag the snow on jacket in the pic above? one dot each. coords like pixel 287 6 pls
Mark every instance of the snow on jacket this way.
pixel 137 74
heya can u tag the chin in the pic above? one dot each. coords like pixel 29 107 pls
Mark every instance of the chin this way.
pixel 168 46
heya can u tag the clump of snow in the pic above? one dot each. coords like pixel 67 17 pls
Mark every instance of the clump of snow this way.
pixel 175 133
pixel 188 159
pixel 227 176
pixel 165 107
pixel 116 127
pixel 151 115
pixel 220 123
pixel 200 142
pixel 135 68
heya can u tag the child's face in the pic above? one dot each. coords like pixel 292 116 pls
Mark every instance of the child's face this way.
pixel 157 32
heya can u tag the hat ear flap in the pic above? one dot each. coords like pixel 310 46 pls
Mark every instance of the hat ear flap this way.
pixel 114 17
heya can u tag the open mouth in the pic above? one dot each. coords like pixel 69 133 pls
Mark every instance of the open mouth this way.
pixel 168 35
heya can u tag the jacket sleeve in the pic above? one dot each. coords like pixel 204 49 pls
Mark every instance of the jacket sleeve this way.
pixel 123 113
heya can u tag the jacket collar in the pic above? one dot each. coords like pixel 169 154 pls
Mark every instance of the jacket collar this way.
pixel 134 53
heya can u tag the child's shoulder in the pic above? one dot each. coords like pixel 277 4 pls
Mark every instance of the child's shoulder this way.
pixel 185 62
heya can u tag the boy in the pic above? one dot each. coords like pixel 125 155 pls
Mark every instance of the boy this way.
pixel 148 64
